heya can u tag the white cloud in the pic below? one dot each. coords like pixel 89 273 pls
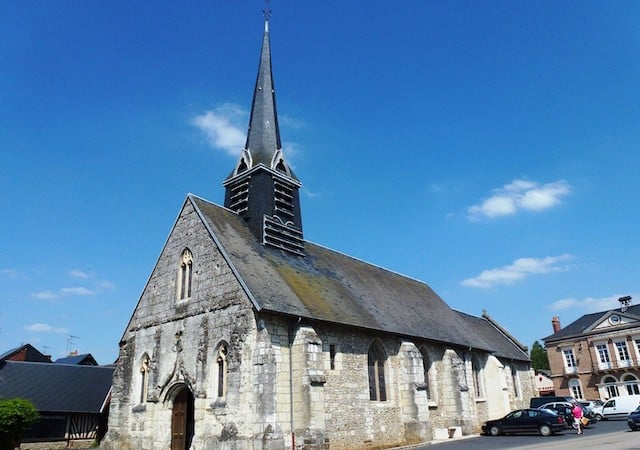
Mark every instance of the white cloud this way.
pixel 82 291
pixel 223 128
pixel 520 195
pixel 76 273
pixel 46 295
pixel 12 274
pixel 45 328
pixel 520 269
pixel 588 304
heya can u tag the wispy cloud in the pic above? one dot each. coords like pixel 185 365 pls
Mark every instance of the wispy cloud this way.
pixel 223 127
pixel 12 274
pixel 587 304
pixel 520 195
pixel 77 273
pixel 45 328
pixel 46 295
pixel 98 286
pixel 520 269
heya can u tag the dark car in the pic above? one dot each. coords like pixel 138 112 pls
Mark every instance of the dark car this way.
pixel 540 421
pixel 634 419
pixel 563 409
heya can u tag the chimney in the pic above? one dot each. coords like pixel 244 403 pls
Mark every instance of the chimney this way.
pixel 624 303
pixel 555 323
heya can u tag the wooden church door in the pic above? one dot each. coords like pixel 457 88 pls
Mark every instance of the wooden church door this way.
pixel 182 420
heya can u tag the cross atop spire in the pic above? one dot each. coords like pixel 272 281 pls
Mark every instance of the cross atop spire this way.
pixel 266 12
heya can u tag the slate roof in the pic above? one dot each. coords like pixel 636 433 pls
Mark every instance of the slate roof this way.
pixel 578 327
pixel 57 387
pixel 329 286
pixel 30 354
pixel 504 345
pixel 85 359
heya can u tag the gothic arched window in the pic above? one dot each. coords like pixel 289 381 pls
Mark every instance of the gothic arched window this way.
pixel 426 367
pixel 144 378
pixel 185 275
pixel 477 377
pixel 376 362
pixel 221 370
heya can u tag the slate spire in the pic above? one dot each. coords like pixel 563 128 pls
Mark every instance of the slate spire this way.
pixel 262 187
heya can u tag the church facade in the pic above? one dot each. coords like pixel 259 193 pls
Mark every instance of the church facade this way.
pixel 247 336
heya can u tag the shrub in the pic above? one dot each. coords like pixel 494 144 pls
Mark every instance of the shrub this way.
pixel 16 415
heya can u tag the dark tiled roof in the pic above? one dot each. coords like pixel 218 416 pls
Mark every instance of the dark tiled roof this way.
pixel 30 354
pixel 57 387
pixel 578 327
pixel 329 286
pixel 503 344
pixel 85 359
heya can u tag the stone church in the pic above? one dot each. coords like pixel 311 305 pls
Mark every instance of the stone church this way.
pixel 247 336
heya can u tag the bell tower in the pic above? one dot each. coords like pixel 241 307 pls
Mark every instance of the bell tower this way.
pixel 262 188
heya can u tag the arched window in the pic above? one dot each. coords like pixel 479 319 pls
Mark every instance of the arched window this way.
pixel 376 362
pixel 631 383
pixel 514 381
pixel 576 388
pixel 477 377
pixel 185 275
pixel 221 370
pixel 610 386
pixel 144 378
pixel 427 368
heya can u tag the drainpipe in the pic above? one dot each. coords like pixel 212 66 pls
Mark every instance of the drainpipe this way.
pixel 292 327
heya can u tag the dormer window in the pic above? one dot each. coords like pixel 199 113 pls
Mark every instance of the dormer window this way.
pixel 185 275
pixel 281 167
pixel 242 166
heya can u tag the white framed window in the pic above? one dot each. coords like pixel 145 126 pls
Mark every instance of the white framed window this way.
pixel 570 364
pixel 622 352
pixel 631 384
pixel 604 360
pixel 576 388
pixel 610 385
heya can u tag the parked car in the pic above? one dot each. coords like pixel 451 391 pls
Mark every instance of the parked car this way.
pixel 536 402
pixel 620 407
pixel 563 409
pixel 540 421
pixel 634 419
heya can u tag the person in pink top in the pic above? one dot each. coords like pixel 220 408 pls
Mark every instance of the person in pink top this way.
pixel 576 412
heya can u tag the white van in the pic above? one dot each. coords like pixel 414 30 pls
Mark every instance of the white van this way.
pixel 620 407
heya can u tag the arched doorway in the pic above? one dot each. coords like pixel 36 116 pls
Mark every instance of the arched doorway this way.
pixel 182 420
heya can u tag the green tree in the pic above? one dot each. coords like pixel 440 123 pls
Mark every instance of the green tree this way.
pixel 16 415
pixel 539 358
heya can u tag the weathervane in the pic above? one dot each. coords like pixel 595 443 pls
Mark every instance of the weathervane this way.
pixel 266 12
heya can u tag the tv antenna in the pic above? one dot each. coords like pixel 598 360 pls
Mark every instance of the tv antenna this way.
pixel 70 342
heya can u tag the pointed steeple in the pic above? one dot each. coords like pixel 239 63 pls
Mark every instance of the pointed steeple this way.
pixel 263 137
pixel 262 187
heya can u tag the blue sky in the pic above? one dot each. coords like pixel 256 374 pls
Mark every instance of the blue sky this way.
pixel 489 149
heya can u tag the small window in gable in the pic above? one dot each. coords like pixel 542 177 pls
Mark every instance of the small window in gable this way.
pixel 185 275
pixel 144 378
pixel 376 364
pixel 221 370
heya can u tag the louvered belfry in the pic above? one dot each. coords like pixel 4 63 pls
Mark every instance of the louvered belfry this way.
pixel 262 188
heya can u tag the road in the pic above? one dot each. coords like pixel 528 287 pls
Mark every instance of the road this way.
pixel 611 434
